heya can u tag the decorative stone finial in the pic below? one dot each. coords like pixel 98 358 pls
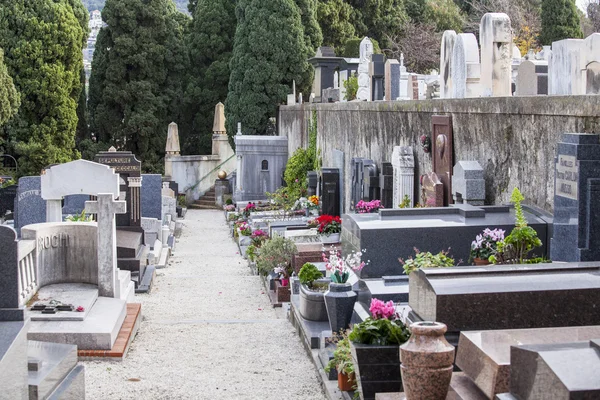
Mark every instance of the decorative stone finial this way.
pixel 219 120
pixel 173 148
pixel 112 149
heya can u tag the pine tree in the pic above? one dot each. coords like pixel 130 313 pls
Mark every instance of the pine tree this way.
pixel 9 97
pixel 136 82
pixel 210 44
pixel 43 42
pixel 268 54
pixel 559 21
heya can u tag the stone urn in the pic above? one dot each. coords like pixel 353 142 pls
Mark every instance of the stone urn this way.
pixel 427 360
pixel 339 300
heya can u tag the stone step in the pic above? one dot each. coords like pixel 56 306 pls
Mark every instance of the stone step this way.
pixel 204 203
pixel 49 365
pixel 204 207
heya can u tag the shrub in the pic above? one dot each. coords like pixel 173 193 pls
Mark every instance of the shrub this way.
pixel 276 252
pixel 427 260
pixel 308 274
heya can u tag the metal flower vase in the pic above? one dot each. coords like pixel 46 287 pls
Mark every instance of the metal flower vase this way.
pixel 339 301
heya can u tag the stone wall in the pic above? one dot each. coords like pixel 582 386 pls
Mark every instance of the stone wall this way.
pixel 513 138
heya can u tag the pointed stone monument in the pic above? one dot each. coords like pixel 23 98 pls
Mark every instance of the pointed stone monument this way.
pixel 219 121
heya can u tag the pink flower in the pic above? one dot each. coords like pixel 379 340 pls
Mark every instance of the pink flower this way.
pixel 80 309
pixel 380 310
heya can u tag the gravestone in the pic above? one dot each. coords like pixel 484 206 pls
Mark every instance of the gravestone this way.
pixel 8 195
pixel 356 194
pixel 403 163
pixel 433 191
pixel 337 162
pixel 29 205
pixel 377 73
pixel 441 152
pixel 364 80
pixel 564 75
pixel 313 182
pixel 330 191
pixel 576 197
pixel 446 50
pixel 10 290
pixel 532 79
pixel 370 181
pixel 325 64
pixel 466 69
pixel 130 171
pixel 495 39
pixel 74 204
pixel 413 87
pixel 151 197
pixel 331 95
pixel 392 79
pixel 468 184
pixel 105 207
pixel 386 185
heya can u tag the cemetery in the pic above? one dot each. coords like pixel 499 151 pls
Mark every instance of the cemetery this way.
pixel 438 237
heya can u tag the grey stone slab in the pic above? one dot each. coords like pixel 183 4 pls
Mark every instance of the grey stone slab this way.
pixel 394 234
pixel 55 362
pixel 76 294
pixel 74 204
pixel 151 196
pixel 337 161
pixel 72 387
pixel 30 207
pixel 10 296
pixel 145 285
pixel 98 332
pixel 13 360
pixel 576 196
pixel 310 331
pixel 386 291
pixel 522 296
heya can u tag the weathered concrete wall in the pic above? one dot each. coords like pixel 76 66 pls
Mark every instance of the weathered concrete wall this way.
pixel 513 138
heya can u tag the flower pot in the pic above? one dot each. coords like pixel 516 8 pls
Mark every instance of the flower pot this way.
pixel 282 292
pixel 377 369
pixel 481 261
pixel 312 305
pixel 426 362
pixel 332 238
pixel 285 282
pixel 339 300
pixel 346 383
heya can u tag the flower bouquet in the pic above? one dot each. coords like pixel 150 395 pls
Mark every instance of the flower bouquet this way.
pixel 340 266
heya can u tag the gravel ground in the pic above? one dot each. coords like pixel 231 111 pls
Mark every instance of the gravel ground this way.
pixel 208 331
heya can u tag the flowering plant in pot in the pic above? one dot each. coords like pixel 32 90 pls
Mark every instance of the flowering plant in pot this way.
pixel 377 341
pixel 250 207
pixel 277 254
pixel 485 245
pixel 342 362
pixel 366 207
pixel 312 289
pixel 229 207
pixel 340 266
pixel 327 224
pixel 244 228
pixel 259 237
pixel 427 260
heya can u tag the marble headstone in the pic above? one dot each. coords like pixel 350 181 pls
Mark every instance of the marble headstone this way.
pixel 466 69
pixel 576 197
pixel 446 50
pixel 403 163
pixel 495 39
pixel 364 80
pixel 532 79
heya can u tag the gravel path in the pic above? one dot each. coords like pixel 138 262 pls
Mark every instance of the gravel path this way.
pixel 208 331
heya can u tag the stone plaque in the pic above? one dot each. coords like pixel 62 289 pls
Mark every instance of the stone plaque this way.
pixel 567 175
pixel 433 190
pixel 441 127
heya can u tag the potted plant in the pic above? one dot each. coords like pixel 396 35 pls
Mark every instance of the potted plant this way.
pixel 258 237
pixel 250 207
pixel 485 245
pixel 329 228
pixel 312 303
pixel 342 362
pixel 276 257
pixel 375 348
pixel 427 260
pixel 340 297
pixel 366 207
pixel 515 248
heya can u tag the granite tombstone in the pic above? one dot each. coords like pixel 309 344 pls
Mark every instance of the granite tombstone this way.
pixel 576 198
pixel 151 197
pixel 330 191
pixel 356 191
pixel 8 195
pixel 468 184
pixel 370 181
pixel 433 190
pixel 377 73
pixel 386 185
pixel 29 205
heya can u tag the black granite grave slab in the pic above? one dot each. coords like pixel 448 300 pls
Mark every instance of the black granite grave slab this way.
pixel 330 191
pixel 507 296
pixel 386 185
pixel 7 199
pixel 394 234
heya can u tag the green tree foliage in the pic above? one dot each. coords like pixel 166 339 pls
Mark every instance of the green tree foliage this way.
pixel 379 19
pixel 313 37
pixel 43 42
pixel 136 85
pixel 9 97
pixel 334 17
pixel 268 54
pixel 444 14
pixel 559 21
pixel 210 44
pixel 352 47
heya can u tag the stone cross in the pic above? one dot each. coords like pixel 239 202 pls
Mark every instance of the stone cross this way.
pixel 106 208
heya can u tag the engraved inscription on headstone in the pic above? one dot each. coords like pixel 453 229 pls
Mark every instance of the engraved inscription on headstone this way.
pixel 567 175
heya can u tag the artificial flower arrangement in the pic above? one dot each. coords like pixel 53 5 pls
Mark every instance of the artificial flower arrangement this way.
pixel 340 266
pixel 486 243
pixel 327 224
pixel 366 207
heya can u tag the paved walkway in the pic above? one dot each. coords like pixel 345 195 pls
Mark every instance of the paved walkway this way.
pixel 208 332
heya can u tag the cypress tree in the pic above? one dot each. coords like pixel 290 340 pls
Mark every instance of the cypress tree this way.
pixel 559 21
pixel 268 54
pixel 313 37
pixel 210 45
pixel 43 42
pixel 378 18
pixel 334 18
pixel 135 85
pixel 9 97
